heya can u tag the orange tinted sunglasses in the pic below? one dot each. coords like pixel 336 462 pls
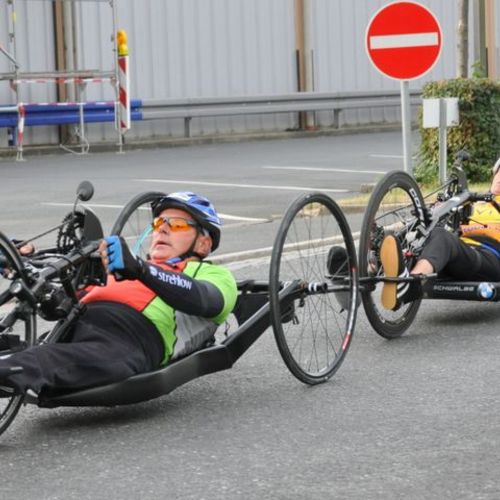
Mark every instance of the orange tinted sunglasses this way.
pixel 176 224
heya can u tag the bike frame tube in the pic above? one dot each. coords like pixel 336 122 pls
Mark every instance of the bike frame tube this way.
pixel 253 327
pixel 151 385
pixel 440 288
pixel 462 290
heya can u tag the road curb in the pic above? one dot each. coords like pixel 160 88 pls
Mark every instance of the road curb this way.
pixel 171 142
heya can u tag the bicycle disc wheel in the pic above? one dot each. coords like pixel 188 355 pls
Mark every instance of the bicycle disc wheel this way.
pixel 13 269
pixel 314 330
pixel 396 205
pixel 134 222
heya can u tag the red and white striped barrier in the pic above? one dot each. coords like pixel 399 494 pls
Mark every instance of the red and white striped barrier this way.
pixel 123 83
pixel 124 95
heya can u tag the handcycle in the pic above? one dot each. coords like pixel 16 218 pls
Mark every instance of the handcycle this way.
pixel 397 205
pixel 310 306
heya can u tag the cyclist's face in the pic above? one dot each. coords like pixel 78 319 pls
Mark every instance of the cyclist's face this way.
pixel 495 185
pixel 167 244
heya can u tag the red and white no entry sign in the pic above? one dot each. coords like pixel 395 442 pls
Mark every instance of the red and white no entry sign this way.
pixel 404 40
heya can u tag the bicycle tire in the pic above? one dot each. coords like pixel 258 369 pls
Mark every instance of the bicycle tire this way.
pixel 395 205
pixel 314 336
pixel 134 222
pixel 10 405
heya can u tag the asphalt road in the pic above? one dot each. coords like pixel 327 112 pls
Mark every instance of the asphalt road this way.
pixel 249 182
pixel 415 417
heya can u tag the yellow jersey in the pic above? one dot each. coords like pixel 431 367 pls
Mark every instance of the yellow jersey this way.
pixel 483 227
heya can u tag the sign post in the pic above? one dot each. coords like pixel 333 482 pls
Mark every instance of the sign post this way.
pixel 443 142
pixel 441 113
pixel 406 121
pixel 403 41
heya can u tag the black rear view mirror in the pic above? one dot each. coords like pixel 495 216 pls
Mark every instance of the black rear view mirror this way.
pixel 85 191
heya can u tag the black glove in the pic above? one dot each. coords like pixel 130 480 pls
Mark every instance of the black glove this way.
pixel 122 263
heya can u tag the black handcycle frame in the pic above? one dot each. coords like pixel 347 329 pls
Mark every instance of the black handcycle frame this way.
pixel 259 305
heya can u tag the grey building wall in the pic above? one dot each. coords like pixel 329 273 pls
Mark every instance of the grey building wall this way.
pixel 191 48
pixel 199 48
pixel 34 49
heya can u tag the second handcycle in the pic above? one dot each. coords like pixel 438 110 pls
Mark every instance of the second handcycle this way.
pixel 398 206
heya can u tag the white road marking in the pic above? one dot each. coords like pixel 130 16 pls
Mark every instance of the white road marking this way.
pixel 237 217
pixel 100 205
pixel 325 169
pixel 244 186
pixel 404 40
pixel 374 155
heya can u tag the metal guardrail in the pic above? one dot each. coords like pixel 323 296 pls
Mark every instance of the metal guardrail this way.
pixel 197 107
pixel 160 109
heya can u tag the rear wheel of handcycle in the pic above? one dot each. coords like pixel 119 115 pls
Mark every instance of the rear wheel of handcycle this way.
pixel 396 206
pixel 314 326
pixel 13 269
pixel 134 222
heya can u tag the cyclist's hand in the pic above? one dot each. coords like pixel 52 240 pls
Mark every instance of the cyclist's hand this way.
pixel 118 259
pixel 27 249
pixel 24 250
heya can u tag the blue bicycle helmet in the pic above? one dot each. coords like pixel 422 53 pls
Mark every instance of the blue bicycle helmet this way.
pixel 199 207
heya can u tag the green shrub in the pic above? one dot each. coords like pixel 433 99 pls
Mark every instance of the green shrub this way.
pixel 478 131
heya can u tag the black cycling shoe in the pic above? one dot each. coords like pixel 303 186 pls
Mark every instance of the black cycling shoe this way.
pixel 6 388
pixel 6 391
pixel 11 343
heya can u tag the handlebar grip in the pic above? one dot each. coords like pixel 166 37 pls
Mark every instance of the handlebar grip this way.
pixel 479 197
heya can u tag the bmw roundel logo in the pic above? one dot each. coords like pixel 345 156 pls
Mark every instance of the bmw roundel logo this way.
pixel 486 290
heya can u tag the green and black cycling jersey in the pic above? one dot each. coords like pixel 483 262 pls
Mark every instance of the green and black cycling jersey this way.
pixel 185 302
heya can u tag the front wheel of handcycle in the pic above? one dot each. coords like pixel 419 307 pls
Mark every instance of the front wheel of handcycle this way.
pixel 134 222
pixel 23 328
pixel 396 206
pixel 313 288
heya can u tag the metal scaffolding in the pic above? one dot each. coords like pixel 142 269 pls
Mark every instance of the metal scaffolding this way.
pixel 72 81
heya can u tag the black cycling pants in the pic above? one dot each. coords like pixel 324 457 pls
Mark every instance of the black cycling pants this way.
pixel 453 258
pixel 101 350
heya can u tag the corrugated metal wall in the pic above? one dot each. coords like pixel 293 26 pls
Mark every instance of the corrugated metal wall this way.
pixel 34 48
pixel 190 48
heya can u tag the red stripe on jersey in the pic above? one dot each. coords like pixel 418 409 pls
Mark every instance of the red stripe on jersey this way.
pixel 129 292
